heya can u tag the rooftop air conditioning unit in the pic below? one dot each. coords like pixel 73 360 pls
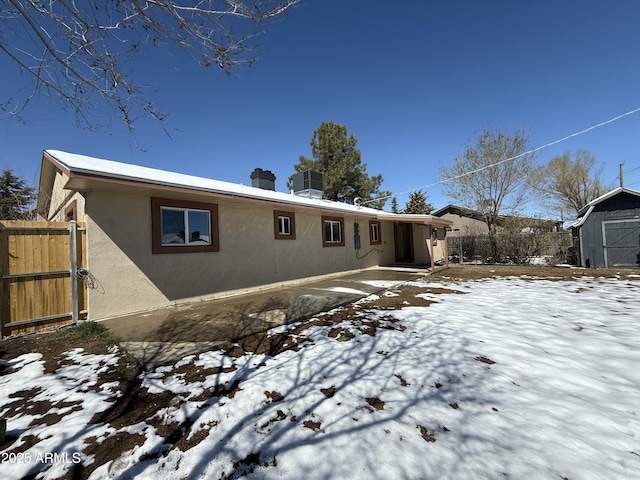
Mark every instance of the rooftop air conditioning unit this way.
pixel 308 184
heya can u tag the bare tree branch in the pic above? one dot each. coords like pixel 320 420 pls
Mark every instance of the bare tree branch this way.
pixel 496 186
pixel 571 180
pixel 79 53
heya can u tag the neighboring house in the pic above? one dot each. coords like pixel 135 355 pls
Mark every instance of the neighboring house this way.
pixel 608 229
pixel 471 223
pixel 465 222
pixel 157 238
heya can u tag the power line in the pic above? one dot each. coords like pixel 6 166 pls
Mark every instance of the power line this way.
pixel 533 150
pixel 632 170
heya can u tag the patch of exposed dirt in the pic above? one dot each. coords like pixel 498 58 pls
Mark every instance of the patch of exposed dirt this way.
pixel 375 402
pixel 274 396
pixel 484 359
pixel 402 297
pixel 329 392
pixel 190 373
pixel 315 426
pixel 263 343
pixel 248 464
pixel 463 272
pixel 428 437
pixel 280 415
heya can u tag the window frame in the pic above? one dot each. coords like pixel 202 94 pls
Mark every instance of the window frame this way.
pixel 71 211
pixel 156 226
pixel 277 214
pixel 376 224
pixel 331 243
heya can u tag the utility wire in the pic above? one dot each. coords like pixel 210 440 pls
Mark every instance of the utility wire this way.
pixel 533 150
pixel 630 171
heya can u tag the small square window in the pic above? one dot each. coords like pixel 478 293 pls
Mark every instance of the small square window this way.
pixel 284 225
pixel 374 233
pixel 333 232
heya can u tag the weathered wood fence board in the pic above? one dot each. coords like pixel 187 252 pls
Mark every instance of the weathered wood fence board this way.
pixel 36 268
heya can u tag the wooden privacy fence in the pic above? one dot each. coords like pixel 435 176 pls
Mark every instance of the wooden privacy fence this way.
pixel 39 263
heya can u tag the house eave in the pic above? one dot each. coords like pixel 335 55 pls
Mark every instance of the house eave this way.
pixel 585 211
pixel 81 179
pixel 413 218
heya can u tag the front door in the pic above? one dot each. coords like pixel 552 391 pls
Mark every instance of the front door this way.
pixel 403 235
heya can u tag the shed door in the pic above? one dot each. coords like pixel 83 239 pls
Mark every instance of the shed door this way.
pixel 621 241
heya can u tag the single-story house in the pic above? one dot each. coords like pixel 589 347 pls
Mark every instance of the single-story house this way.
pixel 608 229
pixel 464 221
pixel 157 238
pixel 471 223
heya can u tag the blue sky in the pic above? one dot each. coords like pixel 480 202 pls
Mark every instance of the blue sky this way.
pixel 414 81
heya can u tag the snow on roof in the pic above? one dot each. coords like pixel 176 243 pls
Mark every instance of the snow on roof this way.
pixel 78 165
pixel 585 211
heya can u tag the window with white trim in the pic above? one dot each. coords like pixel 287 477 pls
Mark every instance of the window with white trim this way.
pixel 374 232
pixel 284 225
pixel 333 228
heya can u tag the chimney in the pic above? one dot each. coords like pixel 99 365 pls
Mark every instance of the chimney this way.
pixel 263 179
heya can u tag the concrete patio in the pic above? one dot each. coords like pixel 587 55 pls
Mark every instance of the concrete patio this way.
pixel 164 336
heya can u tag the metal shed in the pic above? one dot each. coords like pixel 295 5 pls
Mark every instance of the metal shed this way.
pixel 609 230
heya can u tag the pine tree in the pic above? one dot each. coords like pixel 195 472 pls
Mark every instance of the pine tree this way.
pixel 335 155
pixel 16 197
pixel 417 204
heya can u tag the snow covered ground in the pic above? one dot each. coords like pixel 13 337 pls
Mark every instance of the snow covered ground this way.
pixel 515 378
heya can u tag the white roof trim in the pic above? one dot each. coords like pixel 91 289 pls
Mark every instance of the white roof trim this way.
pixel 84 165
pixel 585 211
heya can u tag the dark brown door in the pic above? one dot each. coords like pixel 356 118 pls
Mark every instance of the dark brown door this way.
pixel 403 235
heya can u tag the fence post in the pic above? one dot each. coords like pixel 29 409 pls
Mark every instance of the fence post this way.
pixel 73 251
pixel 2 272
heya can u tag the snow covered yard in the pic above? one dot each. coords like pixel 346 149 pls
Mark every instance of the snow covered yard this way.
pixel 495 378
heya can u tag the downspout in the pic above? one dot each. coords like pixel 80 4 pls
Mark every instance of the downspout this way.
pixel 446 249
pixel 433 266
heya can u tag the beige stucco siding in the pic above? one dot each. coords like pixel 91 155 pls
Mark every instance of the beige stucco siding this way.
pixel 61 198
pixel 386 250
pixel 465 226
pixel 130 278
pixel 423 244
pixel 420 243
pixel 439 245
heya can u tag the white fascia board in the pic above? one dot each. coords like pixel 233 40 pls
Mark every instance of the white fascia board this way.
pixel 585 211
pixel 84 165
pixel 414 218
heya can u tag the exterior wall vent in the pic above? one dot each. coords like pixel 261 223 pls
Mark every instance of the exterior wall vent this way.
pixel 308 184
pixel 263 179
